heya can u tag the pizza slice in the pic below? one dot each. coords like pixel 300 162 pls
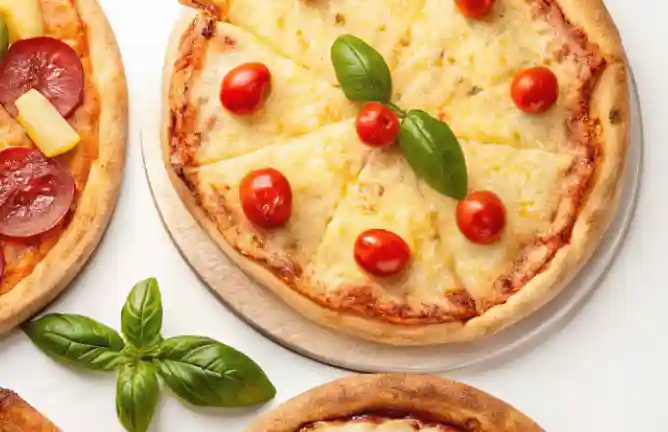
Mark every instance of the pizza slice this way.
pixel 462 70
pixel 298 103
pixel 531 184
pixel 318 167
pixel 387 197
pixel 304 30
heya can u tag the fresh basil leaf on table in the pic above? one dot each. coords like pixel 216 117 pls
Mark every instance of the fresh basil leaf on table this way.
pixel 205 372
pixel 141 318
pixel 77 340
pixel 361 70
pixel 137 392
pixel 434 153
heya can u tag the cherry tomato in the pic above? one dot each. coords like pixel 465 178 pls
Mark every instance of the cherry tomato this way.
pixel 481 217
pixel 475 8
pixel 45 64
pixel 266 198
pixel 377 125
pixel 245 88
pixel 535 90
pixel 381 252
pixel 36 193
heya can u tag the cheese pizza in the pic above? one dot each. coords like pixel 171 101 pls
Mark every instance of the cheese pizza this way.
pixel 63 127
pixel 411 172
pixel 394 403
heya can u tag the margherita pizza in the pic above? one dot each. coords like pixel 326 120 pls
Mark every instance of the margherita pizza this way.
pixel 63 121
pixel 407 171
pixel 394 403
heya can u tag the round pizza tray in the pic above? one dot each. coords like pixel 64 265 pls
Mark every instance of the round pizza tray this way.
pixel 277 321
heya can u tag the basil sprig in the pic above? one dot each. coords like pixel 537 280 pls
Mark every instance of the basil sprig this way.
pixel 428 144
pixel 200 370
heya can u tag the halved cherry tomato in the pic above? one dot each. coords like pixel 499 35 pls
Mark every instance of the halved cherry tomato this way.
pixel 475 8
pixel 377 125
pixel 535 90
pixel 266 198
pixel 381 252
pixel 245 88
pixel 481 217
pixel 36 193
pixel 47 65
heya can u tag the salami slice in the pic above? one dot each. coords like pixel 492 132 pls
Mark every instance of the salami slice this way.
pixel 36 193
pixel 47 65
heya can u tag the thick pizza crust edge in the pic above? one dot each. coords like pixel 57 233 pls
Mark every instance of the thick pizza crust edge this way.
pixel 439 398
pixel 610 95
pixel 95 207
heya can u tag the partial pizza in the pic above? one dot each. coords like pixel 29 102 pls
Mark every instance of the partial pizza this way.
pixel 63 121
pixel 394 403
pixel 16 415
pixel 416 172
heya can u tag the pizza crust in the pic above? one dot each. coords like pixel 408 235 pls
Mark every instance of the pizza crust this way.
pixel 609 102
pixel 95 207
pixel 449 402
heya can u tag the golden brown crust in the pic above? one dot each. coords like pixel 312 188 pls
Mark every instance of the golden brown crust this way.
pixel 448 402
pixel 609 107
pixel 16 415
pixel 96 204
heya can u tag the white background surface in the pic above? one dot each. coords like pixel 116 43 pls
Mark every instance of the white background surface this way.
pixel 607 370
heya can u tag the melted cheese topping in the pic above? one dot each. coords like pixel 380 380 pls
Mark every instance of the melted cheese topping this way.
pixel 305 30
pixel 388 195
pixel 319 168
pixel 463 69
pixel 378 425
pixel 299 102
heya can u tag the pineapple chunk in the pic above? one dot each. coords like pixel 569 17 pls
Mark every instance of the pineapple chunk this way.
pixel 50 132
pixel 23 17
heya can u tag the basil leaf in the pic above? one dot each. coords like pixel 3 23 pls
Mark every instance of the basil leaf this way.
pixel 141 318
pixel 77 340
pixel 432 150
pixel 205 372
pixel 361 70
pixel 137 392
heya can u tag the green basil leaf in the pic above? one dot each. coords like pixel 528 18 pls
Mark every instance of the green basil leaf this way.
pixel 432 150
pixel 77 340
pixel 4 38
pixel 141 318
pixel 137 392
pixel 361 70
pixel 205 372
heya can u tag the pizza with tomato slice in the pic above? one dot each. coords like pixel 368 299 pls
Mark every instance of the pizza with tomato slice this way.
pixel 63 121
pixel 412 172
pixel 394 403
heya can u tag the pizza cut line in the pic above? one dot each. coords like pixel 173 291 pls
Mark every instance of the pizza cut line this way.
pixel 394 403
pixel 309 193
pixel 63 119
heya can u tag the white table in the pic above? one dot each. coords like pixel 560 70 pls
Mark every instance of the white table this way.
pixel 606 371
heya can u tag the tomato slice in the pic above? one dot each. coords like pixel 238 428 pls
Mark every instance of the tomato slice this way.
pixel 36 193
pixel 47 65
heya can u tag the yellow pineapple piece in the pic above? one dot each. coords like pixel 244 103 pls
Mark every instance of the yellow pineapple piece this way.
pixel 23 18
pixel 50 132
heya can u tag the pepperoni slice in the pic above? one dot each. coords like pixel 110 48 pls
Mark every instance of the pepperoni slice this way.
pixel 35 192
pixel 47 65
